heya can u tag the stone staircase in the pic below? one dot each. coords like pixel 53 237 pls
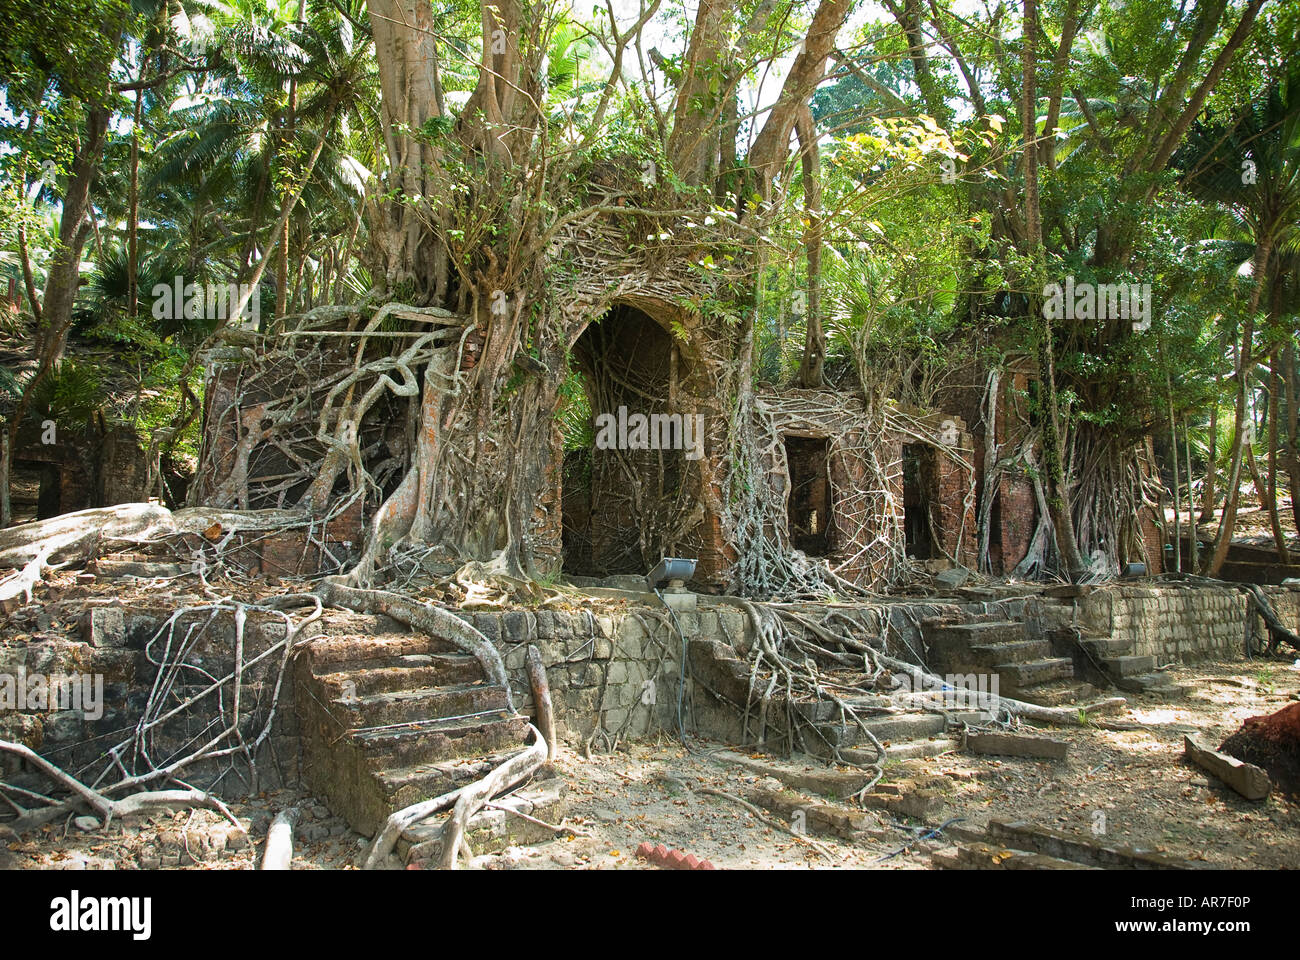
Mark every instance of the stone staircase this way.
pixel 1026 668
pixel 1111 660
pixel 390 718
pixel 905 735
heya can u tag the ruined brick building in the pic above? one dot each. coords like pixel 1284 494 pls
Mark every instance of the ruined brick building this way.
pixel 878 494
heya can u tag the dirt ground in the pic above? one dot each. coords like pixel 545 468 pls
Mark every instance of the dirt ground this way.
pixel 1131 784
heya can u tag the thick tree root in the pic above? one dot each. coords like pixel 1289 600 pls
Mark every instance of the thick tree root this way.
pixel 466 801
pixel 80 537
pixel 426 618
pixel 279 841
pixel 542 705
pixel 1059 716
pixel 134 805
pixel 472 798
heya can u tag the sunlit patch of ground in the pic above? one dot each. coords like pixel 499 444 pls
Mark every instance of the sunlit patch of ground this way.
pixel 1124 786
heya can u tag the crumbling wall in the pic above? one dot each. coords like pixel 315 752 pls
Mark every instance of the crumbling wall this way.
pixel 111 642
pixel 867 486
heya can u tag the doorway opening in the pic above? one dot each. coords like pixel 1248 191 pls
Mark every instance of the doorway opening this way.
pixel 621 500
pixel 918 469
pixel 810 517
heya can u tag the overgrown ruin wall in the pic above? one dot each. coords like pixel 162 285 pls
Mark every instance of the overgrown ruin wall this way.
pixel 66 638
pixel 615 665
pixel 1182 623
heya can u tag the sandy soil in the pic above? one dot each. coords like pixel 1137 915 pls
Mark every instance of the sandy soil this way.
pixel 1134 784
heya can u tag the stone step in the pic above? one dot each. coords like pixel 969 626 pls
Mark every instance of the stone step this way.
pixel 425 703
pixel 1153 684
pixel 979 632
pixel 344 652
pixel 978 855
pixel 1128 666
pixel 1102 647
pixel 914 749
pixel 1091 852
pixel 491 830
pixel 930 623
pixel 897 729
pixel 908 726
pixel 1015 651
pixel 403 673
pixel 1059 693
pixel 440 739
pixel 403 786
pixel 1018 676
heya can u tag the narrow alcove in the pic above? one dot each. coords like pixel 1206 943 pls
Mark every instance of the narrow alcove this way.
pixel 917 472
pixel 810 510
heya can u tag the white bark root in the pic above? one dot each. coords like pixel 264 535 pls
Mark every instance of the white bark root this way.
pixel 473 797
pixel 81 536
pixel 1060 716
pixel 513 771
pixel 279 841
pixel 133 805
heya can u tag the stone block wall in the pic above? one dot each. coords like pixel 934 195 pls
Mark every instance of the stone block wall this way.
pixel 615 666
pixel 1182 623
pixel 113 642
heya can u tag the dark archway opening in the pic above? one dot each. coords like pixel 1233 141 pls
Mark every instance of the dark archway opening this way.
pixel 811 509
pixel 35 490
pixel 918 473
pixel 625 446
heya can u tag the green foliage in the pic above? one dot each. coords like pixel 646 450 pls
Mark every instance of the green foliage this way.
pixel 575 416
pixel 70 394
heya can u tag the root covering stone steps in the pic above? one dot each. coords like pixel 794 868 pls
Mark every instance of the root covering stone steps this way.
pixel 493 828
pixel 390 718
pixel 904 732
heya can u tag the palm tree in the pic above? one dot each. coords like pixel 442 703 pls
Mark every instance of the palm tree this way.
pixel 1250 165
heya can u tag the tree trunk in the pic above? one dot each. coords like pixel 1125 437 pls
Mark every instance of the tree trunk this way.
pixel 1245 362
pixel 814 349
pixel 133 208
pixel 409 257
pixel 65 266
pixel 1292 426
pixel 1211 471
pixel 285 213
pixel 1056 488
pixel 1270 492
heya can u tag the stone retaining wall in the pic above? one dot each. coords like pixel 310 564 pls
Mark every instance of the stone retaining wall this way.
pixel 1182 622
pixel 614 666
pixel 111 642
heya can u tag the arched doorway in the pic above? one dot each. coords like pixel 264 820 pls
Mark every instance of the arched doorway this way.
pixel 628 446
